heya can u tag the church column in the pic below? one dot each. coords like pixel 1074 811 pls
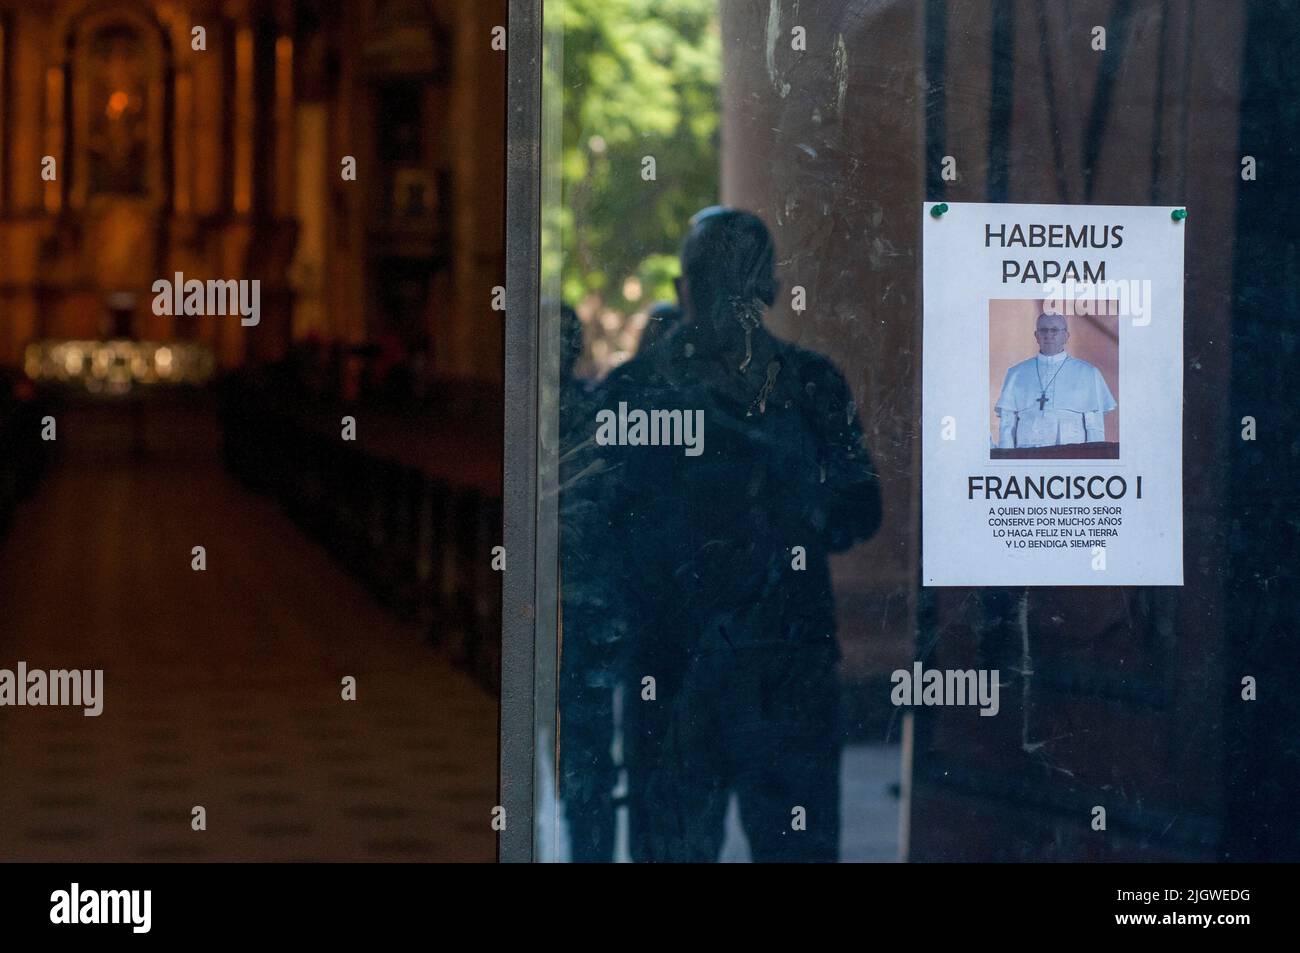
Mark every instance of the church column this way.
pixel 237 87
pixel 209 73
pixel 55 88
pixel 284 125
pixel 480 242
pixel 4 97
pixel 351 134
pixel 24 143
pixel 272 233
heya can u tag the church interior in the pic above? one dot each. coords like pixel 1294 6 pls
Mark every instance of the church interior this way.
pixel 267 514
pixel 251 419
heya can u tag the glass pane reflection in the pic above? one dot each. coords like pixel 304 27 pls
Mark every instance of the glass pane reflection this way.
pixel 731 239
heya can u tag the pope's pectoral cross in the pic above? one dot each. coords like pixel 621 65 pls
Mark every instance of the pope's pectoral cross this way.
pixel 1042 400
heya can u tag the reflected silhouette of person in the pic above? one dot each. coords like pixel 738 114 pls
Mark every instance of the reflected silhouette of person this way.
pixel 590 626
pixel 591 620
pixel 662 320
pixel 723 570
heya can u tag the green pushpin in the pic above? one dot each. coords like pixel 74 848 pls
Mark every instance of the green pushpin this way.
pixel 1178 214
pixel 938 210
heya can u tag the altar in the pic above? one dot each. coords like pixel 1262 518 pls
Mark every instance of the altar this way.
pixel 116 368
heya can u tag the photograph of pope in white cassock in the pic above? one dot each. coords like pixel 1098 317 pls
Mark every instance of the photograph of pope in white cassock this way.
pixel 1053 398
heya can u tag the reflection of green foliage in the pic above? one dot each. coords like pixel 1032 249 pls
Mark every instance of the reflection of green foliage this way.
pixel 641 77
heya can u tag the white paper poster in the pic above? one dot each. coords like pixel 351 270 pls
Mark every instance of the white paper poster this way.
pixel 1052 395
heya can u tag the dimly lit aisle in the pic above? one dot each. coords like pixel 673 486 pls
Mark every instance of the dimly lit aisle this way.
pixel 222 688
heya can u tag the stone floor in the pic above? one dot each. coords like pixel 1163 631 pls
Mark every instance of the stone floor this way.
pixel 222 688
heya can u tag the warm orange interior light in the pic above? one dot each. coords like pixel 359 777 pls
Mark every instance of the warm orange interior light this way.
pixel 117 104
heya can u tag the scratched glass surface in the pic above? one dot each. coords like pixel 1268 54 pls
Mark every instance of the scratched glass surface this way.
pixel 730 469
